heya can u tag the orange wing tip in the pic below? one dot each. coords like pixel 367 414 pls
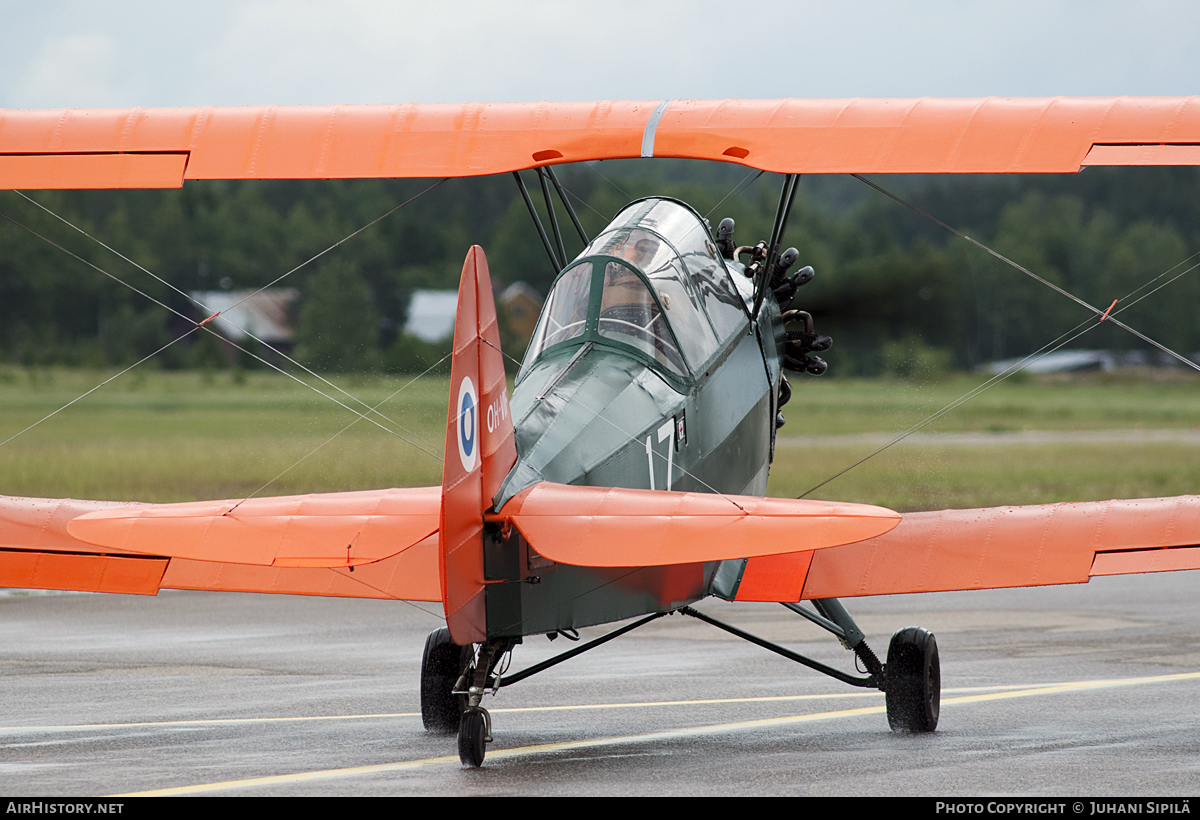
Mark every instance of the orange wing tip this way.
pixel 614 527
pixel 333 530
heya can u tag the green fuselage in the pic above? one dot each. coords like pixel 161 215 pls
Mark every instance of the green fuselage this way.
pixel 595 412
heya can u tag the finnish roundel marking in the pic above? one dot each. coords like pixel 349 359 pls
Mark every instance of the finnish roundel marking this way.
pixel 467 423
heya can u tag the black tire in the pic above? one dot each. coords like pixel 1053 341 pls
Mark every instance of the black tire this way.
pixel 440 667
pixel 914 681
pixel 472 737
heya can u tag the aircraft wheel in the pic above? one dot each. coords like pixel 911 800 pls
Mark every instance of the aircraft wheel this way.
pixel 472 735
pixel 441 665
pixel 914 681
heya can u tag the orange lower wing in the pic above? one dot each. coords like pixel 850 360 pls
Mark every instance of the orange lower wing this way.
pixel 411 575
pixel 308 545
pixel 996 547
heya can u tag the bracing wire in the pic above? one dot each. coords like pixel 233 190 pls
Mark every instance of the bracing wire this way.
pixel 297 462
pixel 749 178
pixel 427 448
pixel 1104 314
pixel 361 416
pixel 206 308
pixel 584 202
pixel 1045 350
pixel 97 387
pixel 624 193
pixel 961 400
pixel 198 326
pixel 344 572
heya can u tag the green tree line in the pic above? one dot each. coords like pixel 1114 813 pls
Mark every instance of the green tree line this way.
pixel 893 288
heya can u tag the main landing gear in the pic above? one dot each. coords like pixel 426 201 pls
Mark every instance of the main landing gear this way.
pixel 911 681
pixel 455 678
pixel 441 665
pixel 914 681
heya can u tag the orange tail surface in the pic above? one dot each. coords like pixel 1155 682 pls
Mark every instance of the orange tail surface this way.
pixel 480 450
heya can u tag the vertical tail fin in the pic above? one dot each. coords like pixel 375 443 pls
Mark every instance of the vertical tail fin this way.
pixel 480 449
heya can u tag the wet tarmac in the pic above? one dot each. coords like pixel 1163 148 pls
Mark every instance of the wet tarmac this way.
pixel 1081 690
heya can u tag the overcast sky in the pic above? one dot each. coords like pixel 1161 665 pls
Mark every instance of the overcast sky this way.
pixel 83 53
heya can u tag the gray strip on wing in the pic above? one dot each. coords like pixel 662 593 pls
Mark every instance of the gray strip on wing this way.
pixel 648 134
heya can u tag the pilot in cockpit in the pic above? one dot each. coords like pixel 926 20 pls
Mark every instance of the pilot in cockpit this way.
pixel 621 286
pixel 640 252
pixel 628 311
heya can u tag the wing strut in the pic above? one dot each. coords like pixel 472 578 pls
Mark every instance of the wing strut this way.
pixel 875 671
pixel 558 240
pixel 549 171
pixel 558 251
pixel 786 197
pixel 875 680
pixel 555 262
pixel 529 672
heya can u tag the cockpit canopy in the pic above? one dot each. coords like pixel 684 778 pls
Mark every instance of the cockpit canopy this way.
pixel 651 281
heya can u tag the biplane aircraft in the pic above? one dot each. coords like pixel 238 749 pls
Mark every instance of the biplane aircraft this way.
pixel 625 476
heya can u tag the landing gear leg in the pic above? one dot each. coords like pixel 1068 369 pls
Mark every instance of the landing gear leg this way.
pixel 475 725
pixel 911 680
pixel 914 681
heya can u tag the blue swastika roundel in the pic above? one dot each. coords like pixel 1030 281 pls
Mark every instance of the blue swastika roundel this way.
pixel 467 423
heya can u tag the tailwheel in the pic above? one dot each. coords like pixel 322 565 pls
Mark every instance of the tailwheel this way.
pixel 473 732
pixel 914 681
pixel 441 666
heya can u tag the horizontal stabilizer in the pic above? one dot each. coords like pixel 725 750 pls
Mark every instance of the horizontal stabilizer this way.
pixel 327 530
pixel 615 527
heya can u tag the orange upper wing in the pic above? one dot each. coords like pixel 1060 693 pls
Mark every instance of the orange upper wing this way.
pixel 162 147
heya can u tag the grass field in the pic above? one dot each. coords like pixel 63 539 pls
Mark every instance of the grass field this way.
pixel 1003 467
pixel 159 436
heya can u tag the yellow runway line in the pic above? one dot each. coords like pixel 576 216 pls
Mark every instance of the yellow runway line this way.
pixel 526 751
